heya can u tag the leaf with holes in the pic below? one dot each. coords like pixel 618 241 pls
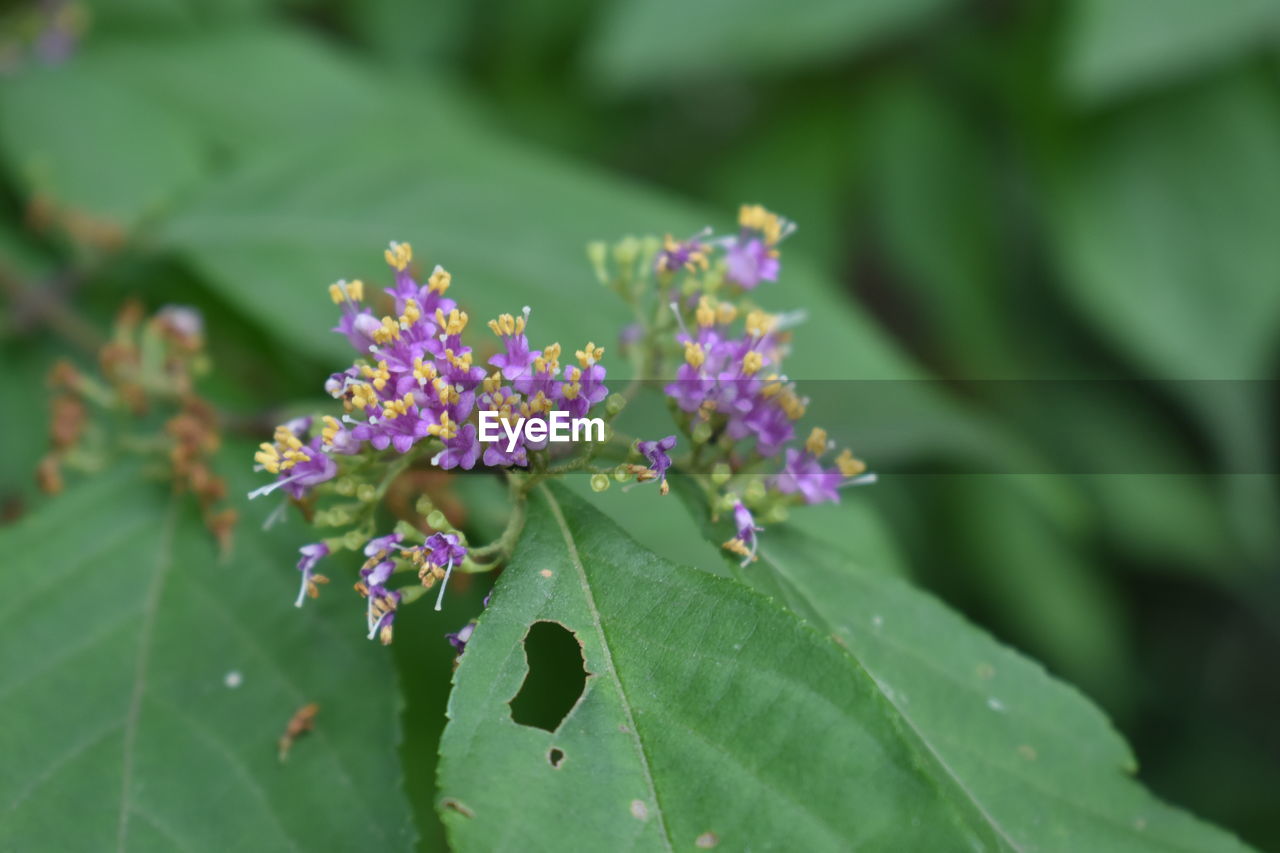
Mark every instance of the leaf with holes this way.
pixel 147 683
pixel 1039 765
pixel 708 714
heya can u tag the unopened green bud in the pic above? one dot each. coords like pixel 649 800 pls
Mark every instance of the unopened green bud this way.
pixel 423 505
pixel 353 540
pixel 597 252
pixel 365 493
pixel 721 473
pixel 621 474
pixel 616 403
pixel 345 487
pixel 702 432
pixel 726 502
pixel 625 251
pixel 437 521
pixel 777 515
pixel 407 530
pixel 339 516
pixel 755 490
pixel 599 482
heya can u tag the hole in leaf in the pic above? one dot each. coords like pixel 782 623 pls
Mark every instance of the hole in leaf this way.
pixel 555 756
pixel 556 677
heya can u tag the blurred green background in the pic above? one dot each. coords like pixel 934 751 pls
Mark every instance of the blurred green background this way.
pixel 985 190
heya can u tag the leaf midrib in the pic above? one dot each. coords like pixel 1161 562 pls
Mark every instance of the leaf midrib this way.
pixel 959 783
pixel 164 559
pixel 576 560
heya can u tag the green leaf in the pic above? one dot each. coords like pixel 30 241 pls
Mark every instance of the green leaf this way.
pixel 1041 766
pixel 645 43
pixel 706 710
pixel 140 158
pixel 1117 47
pixel 1166 229
pixel 120 641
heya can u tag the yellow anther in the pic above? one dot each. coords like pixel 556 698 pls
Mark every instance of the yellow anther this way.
pixel 737 546
pixel 411 313
pixel 540 403
pixel 386 333
pixel 439 281
pixel 726 313
pixel 752 362
pixel 396 408
pixel 774 385
pixel 693 354
pixel 342 291
pixel 454 323
pixel 423 371
pixel 706 313
pixel 461 362
pixel 446 393
pixel 760 323
pixel 293 457
pixel 268 457
pixel 380 375
pixel 507 325
pixel 286 439
pixel 589 354
pixel 363 396
pixel 549 361
pixel 445 429
pixel 331 429
pixel 792 405
pixel 816 443
pixel 850 465
pixel 756 218
pixel 492 382
pixel 571 390
pixel 399 255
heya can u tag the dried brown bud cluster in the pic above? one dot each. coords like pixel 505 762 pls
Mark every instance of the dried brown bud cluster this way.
pixel 147 370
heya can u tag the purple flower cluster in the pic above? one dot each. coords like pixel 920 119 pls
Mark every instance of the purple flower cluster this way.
pixel 724 373
pixel 417 381
pixel 751 256
pixel 730 379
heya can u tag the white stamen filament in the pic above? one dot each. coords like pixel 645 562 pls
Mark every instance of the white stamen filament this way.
pixel 302 593
pixel 447 572
pixel 271 487
pixel 275 516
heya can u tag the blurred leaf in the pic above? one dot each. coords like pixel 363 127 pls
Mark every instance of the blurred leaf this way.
pixel 706 710
pixel 1116 47
pixel 147 684
pixel 1037 584
pixel 140 158
pixel 1166 227
pixel 1041 766
pixel 645 43
pixel 935 196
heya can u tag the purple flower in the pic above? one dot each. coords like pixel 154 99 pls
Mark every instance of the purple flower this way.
pixel 436 558
pixel 518 358
pixel 298 467
pixel 379 547
pixel 381 612
pixel 802 472
pixel 750 262
pixel 311 554
pixel 656 454
pixel 744 541
pixel 689 255
pixel 459 639
pixel 461 451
